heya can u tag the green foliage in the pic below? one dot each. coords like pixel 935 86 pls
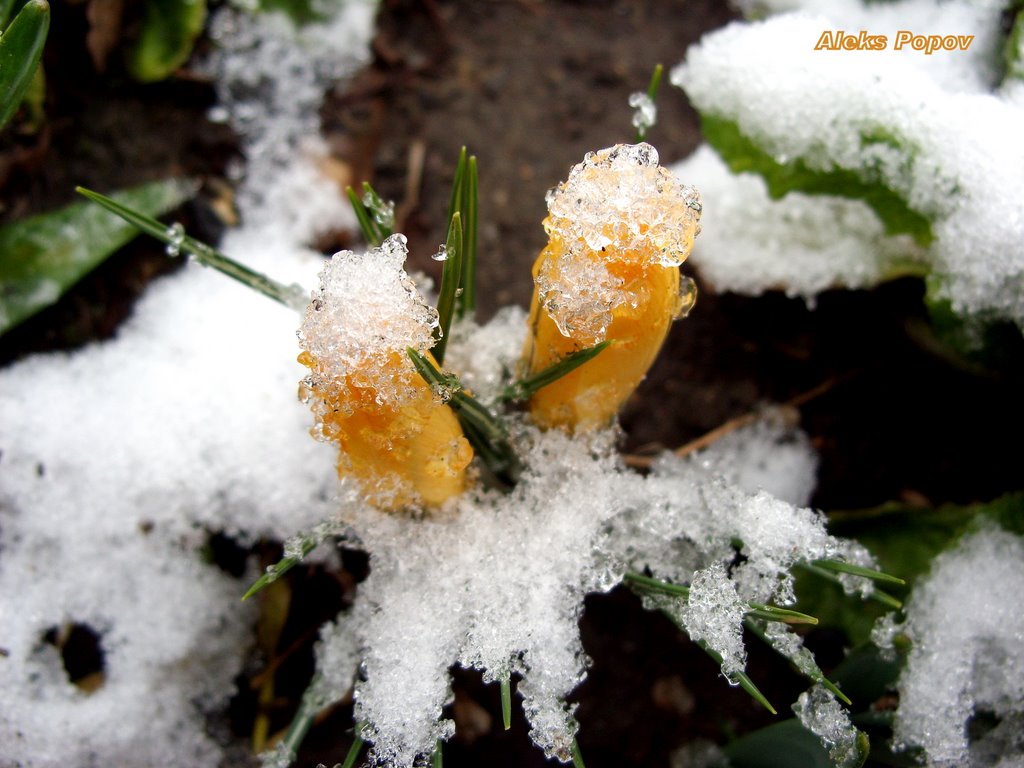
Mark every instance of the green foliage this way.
pixel 464 203
pixel 743 155
pixel 784 745
pixel 523 389
pixel 1013 48
pixel 42 256
pixel 976 344
pixel 168 34
pixel 21 47
pixel 905 540
pixel 451 275
pixel 484 431
pixel 375 217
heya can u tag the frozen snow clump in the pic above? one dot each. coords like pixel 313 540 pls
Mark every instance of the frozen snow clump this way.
pixel 967 657
pixel 823 715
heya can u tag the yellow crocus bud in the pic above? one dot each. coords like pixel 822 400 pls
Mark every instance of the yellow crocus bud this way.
pixel 618 229
pixel 397 439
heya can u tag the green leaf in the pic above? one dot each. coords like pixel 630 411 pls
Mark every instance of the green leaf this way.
pixel 21 46
pixel 784 745
pixel 470 204
pixel 355 749
pixel 6 9
pixel 652 94
pixel 42 256
pixel 855 570
pixel 743 155
pixel 577 756
pixel 169 32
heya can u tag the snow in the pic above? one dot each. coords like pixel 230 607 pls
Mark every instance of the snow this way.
pixel 967 655
pixel 119 459
pixel 498 583
pixel 362 317
pixel 824 716
pixel 929 127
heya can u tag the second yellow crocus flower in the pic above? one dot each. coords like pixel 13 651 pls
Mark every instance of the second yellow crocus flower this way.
pixel 618 230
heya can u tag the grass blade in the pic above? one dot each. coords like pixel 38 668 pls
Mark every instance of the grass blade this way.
pixel 577 756
pixel 21 47
pixel 450 276
pixel 355 749
pixel 437 759
pixel 485 431
pixel 868 573
pixel 285 564
pixel 506 703
pixel 657 585
pixel 526 388
pixel 371 232
pixel 783 615
pixel 814 673
pixel 293 296
pixel 741 678
pixel 469 209
pixel 756 610
pixel 652 94
pixel 876 594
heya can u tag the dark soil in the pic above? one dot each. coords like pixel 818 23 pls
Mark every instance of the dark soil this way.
pixel 529 87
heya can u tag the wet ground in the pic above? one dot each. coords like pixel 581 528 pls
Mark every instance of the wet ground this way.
pixel 529 87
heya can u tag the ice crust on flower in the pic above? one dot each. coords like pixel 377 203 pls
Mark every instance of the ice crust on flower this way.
pixel 934 129
pixel 966 655
pixel 617 207
pixel 359 322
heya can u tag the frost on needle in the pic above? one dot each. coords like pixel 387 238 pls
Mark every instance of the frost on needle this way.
pixel 397 439
pixel 618 230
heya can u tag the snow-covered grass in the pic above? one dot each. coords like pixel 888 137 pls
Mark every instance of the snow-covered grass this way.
pixel 914 160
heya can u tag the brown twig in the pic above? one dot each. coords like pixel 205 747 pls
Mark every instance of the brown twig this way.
pixel 788 412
